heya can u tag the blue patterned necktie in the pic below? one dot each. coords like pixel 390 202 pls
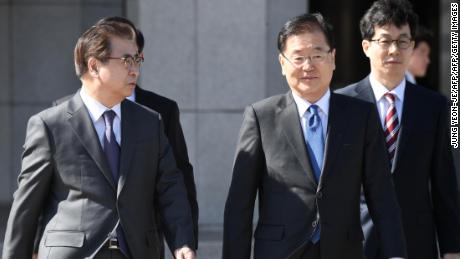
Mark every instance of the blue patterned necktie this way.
pixel 112 153
pixel 315 140
pixel 315 146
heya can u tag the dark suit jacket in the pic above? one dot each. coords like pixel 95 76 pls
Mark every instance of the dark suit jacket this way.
pixel 169 111
pixel 65 175
pixel 272 160
pixel 423 174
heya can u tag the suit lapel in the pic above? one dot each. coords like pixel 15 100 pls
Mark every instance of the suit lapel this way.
pixel 127 142
pixel 364 91
pixel 289 118
pixel 336 119
pixel 83 127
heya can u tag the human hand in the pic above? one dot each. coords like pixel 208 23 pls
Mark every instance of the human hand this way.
pixel 184 253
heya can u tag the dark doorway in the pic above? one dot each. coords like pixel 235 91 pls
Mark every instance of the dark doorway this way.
pixel 352 64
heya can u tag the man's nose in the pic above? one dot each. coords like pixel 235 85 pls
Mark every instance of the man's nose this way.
pixel 393 47
pixel 307 65
pixel 135 71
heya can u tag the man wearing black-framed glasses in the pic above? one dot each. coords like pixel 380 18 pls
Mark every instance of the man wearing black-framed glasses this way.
pixel 415 125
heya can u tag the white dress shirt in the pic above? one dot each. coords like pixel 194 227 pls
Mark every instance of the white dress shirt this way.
pixel 96 109
pixel 410 77
pixel 323 111
pixel 382 103
pixel 132 97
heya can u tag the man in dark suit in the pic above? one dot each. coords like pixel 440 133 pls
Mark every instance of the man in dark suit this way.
pixel 169 111
pixel 420 58
pixel 415 124
pixel 309 209
pixel 98 167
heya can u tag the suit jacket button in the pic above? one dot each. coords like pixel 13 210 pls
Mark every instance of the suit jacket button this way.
pixel 319 195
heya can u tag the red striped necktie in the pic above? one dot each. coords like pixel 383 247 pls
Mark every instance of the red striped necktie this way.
pixel 391 127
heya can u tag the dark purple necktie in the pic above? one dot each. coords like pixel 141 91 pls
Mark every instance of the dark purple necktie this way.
pixel 112 153
pixel 111 147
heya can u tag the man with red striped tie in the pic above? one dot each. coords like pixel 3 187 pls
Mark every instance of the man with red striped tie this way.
pixel 415 125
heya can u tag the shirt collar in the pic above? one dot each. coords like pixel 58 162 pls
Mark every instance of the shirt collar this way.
pixel 379 89
pixel 410 77
pixel 132 97
pixel 95 108
pixel 303 105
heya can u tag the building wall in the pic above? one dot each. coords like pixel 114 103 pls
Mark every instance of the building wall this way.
pixel 36 60
pixel 213 57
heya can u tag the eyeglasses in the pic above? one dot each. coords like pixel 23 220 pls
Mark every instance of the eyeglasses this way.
pixel 385 43
pixel 316 58
pixel 131 61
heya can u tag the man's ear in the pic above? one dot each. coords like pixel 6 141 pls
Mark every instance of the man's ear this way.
pixel 93 67
pixel 365 44
pixel 333 58
pixel 282 63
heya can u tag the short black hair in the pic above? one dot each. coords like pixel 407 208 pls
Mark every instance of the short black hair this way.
pixel 305 23
pixel 422 34
pixel 139 36
pixel 386 12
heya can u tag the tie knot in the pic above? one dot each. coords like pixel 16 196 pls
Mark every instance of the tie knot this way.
pixel 109 115
pixel 313 109
pixel 313 119
pixel 390 97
